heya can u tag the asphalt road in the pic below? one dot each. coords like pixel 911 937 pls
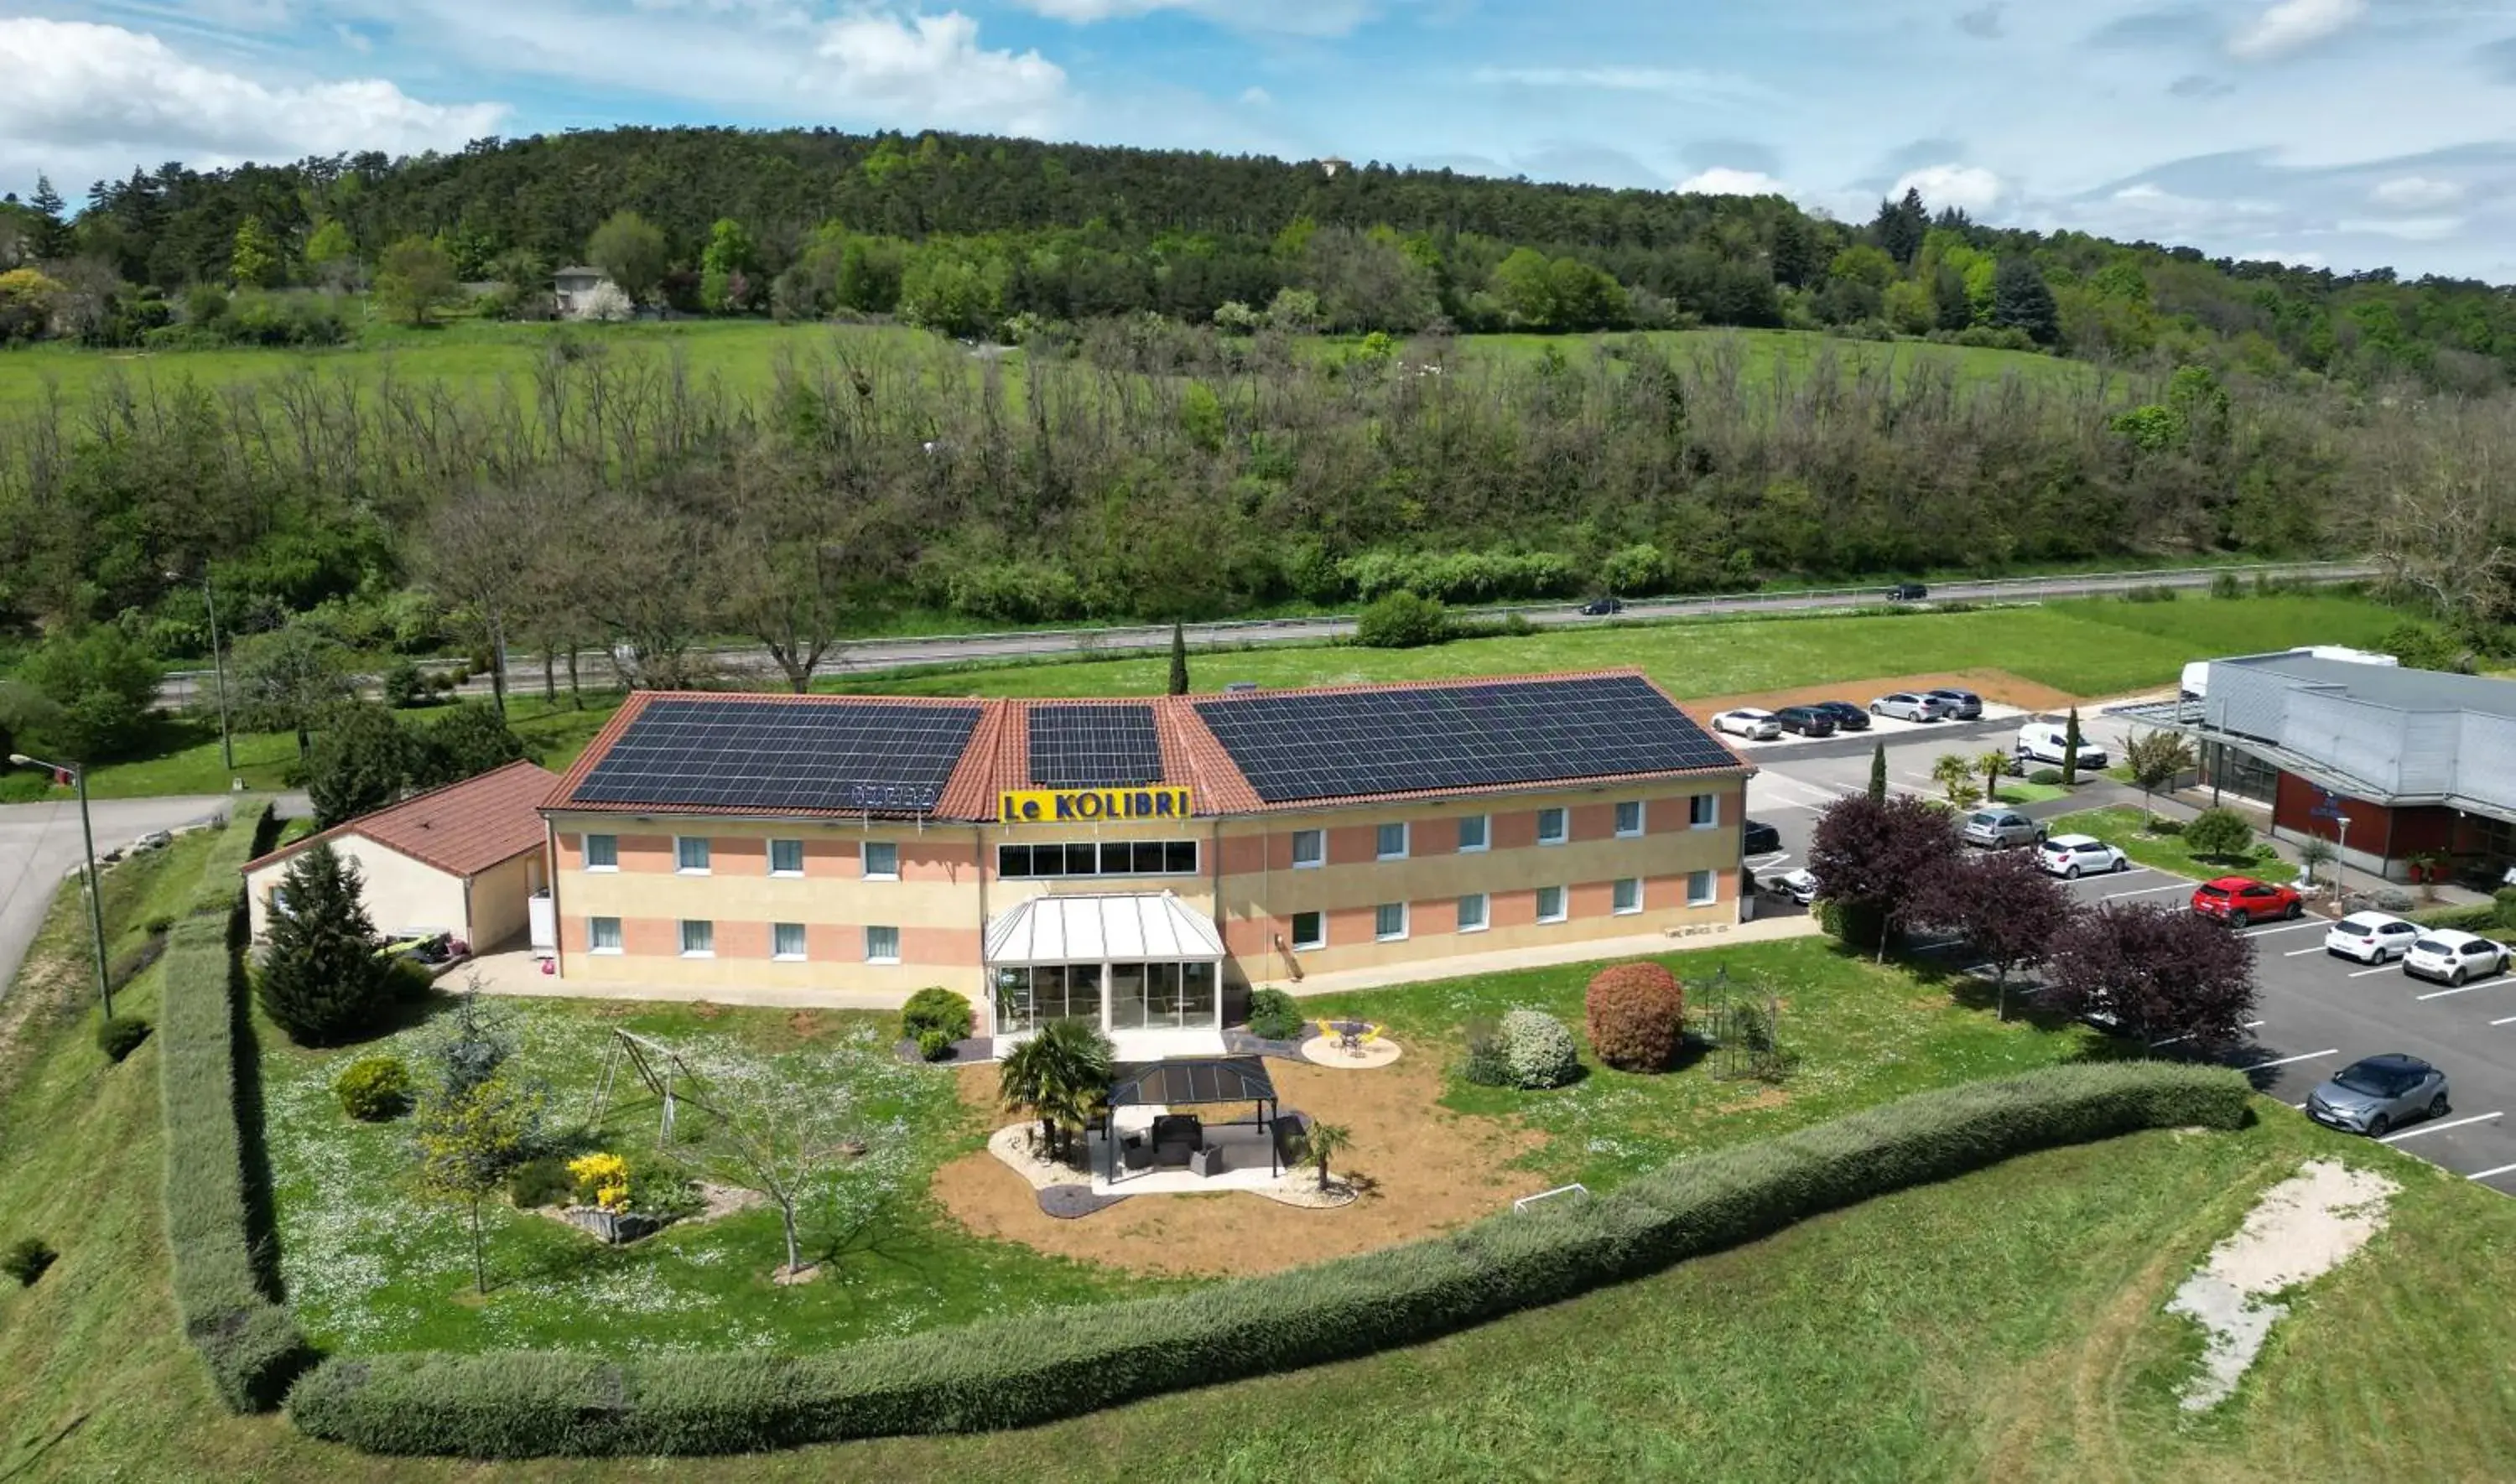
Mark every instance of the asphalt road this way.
pixel 867 656
pixel 39 843
pixel 2315 1013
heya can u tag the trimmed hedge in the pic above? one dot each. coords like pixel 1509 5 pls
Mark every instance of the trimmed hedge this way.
pixel 1031 1369
pixel 223 870
pixel 250 1343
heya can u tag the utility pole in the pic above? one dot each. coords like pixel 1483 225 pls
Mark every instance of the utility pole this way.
pixel 95 896
pixel 219 668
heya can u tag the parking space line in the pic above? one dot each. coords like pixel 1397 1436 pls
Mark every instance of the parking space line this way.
pixel 2465 989
pixel 2509 1020
pixel 2264 932
pixel 2172 1039
pixel 2144 891
pixel 2483 1174
pixel 2333 1050
pixel 2477 1118
pixel 2296 952
pixel 2393 968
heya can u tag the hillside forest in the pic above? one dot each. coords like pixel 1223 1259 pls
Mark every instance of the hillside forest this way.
pixel 1183 387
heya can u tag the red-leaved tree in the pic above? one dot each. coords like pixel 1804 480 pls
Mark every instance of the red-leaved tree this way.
pixel 2159 974
pixel 1636 1014
pixel 1873 858
pixel 2003 905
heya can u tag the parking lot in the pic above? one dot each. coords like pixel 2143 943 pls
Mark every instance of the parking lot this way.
pixel 2316 1013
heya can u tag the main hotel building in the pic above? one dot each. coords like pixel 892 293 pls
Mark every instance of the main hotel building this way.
pixel 1133 862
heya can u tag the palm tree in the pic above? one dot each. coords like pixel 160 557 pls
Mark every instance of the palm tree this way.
pixel 1954 773
pixel 1058 1073
pixel 1326 1141
pixel 1993 767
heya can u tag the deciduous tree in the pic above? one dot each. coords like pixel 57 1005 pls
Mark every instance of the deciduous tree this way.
pixel 764 1129
pixel 1875 859
pixel 2003 905
pixel 630 251
pixel 286 680
pixel 2157 759
pixel 2156 974
pixel 363 760
pixel 415 279
pixel 469 1138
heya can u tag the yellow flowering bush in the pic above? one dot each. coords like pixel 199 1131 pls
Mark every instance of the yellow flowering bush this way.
pixel 602 1179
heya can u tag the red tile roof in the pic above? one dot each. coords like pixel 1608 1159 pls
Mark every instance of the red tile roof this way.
pixel 462 829
pixel 997 754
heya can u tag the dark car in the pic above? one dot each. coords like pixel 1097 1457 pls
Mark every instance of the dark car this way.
pixel 1759 838
pixel 2372 1095
pixel 1599 607
pixel 1847 717
pixel 1963 705
pixel 1908 592
pixel 1807 721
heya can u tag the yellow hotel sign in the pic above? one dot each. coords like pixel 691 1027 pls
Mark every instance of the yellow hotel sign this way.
pixel 1067 805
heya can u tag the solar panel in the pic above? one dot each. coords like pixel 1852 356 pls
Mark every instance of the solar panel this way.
pixel 777 756
pixel 1292 746
pixel 1094 747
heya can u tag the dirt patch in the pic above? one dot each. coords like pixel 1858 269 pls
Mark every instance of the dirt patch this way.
pixel 1998 685
pixel 706 1009
pixel 1420 1168
pixel 805 1024
pixel 1769 1097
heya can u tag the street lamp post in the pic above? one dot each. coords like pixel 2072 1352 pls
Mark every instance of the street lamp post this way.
pixel 95 896
pixel 218 668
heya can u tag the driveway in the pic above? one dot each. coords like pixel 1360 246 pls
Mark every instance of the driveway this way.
pixel 39 845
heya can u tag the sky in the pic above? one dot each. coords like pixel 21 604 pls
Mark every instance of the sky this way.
pixel 2348 134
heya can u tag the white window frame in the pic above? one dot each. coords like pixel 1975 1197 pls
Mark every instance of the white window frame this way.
pixel 1619 892
pixel 1563 904
pixel 1379 937
pixel 864 859
pixel 774 869
pixel 707 927
pixel 872 957
pixel 594 939
pixel 587 845
pixel 801 933
pixel 1406 841
pixel 1485 834
pixel 1563 825
pixel 1703 811
pixel 707 855
pixel 1711 883
pixel 1293 931
pixel 1485 912
pixel 1635 804
pixel 1319 839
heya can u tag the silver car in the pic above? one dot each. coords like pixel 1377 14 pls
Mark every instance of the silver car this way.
pixel 2375 1096
pixel 1910 706
pixel 1999 829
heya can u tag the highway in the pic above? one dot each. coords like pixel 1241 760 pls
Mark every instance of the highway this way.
pixel 752 662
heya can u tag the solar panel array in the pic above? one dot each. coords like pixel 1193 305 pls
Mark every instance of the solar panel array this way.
pixel 1094 747
pixel 1294 747
pixel 777 756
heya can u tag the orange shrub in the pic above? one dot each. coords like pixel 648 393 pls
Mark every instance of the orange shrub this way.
pixel 1636 1015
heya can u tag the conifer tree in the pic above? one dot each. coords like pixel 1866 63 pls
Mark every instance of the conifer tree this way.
pixel 1878 774
pixel 1179 660
pixel 322 980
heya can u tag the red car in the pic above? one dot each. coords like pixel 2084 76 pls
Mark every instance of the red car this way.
pixel 2236 900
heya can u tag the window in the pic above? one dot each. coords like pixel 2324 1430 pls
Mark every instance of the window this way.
pixel 1475 833
pixel 603 935
pixel 882 945
pixel 881 860
pixel 1392 841
pixel 1628 894
pixel 691 854
pixel 1698 888
pixel 1630 819
pixel 1703 811
pixel 1389 922
pixel 1472 913
pixel 786 940
pixel 603 852
pixel 1116 857
pixel 1550 904
pixel 699 939
pixel 785 857
pixel 1310 930
pixel 1310 848
pixel 1551 827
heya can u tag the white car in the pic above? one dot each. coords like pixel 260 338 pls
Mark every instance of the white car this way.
pixel 2047 743
pixel 1910 706
pixel 1799 886
pixel 2076 855
pixel 1749 723
pixel 2450 957
pixel 2370 937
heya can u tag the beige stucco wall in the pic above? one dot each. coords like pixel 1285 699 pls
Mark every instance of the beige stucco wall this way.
pixel 499 896
pixel 401 895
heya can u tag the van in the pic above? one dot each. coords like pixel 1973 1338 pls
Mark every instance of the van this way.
pixel 2047 743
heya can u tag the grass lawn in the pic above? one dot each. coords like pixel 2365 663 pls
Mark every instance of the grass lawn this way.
pixel 2015 792
pixel 372 1265
pixel 2121 828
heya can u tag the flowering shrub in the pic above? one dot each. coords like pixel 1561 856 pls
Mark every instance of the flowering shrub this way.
pixel 602 1179
pixel 1635 1014
pixel 1538 1050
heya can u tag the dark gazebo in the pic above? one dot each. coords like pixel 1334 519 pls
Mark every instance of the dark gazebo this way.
pixel 1191 1082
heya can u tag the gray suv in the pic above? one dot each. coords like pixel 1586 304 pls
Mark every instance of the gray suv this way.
pixel 2373 1095
pixel 1999 829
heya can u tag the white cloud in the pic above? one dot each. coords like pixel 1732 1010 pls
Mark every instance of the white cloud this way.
pixel 1969 188
pixel 86 100
pixel 931 69
pixel 1677 82
pixel 1304 18
pixel 2415 193
pixel 2293 24
pixel 1722 180
pixel 2407 228
pixel 1256 97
